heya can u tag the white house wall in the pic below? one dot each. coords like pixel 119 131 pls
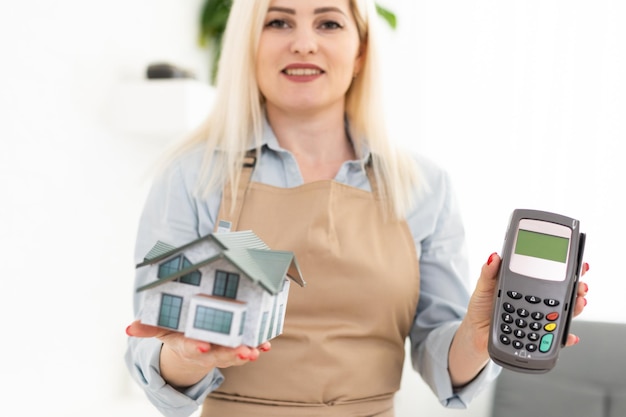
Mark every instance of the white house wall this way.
pixel 202 250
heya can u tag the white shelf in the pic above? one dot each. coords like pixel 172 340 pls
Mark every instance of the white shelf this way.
pixel 162 107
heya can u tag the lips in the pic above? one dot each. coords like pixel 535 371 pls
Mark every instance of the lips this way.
pixel 302 70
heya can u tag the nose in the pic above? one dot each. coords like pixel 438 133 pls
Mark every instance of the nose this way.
pixel 304 42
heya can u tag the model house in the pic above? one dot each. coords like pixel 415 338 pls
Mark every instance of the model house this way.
pixel 226 288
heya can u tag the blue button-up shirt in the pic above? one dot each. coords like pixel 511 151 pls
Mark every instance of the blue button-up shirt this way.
pixel 174 213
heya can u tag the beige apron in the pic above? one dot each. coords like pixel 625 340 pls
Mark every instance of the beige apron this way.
pixel 342 349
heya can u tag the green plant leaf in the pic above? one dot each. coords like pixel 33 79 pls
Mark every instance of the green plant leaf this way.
pixel 387 15
pixel 213 18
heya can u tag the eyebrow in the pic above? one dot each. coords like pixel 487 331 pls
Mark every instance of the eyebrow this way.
pixel 316 11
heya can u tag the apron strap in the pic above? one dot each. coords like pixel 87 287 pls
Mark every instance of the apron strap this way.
pixel 369 170
pixel 227 219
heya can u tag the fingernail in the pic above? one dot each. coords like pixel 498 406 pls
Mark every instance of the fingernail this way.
pixel 242 356
pixel 586 266
pixel 128 331
pixel 264 349
pixel 203 349
pixel 585 300
pixel 577 339
pixel 490 260
pixel 586 287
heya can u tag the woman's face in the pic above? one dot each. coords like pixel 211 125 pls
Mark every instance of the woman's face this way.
pixel 309 52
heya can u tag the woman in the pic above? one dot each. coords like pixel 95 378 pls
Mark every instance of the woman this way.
pixel 377 233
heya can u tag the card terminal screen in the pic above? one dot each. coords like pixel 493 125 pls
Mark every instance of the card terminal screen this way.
pixel 541 245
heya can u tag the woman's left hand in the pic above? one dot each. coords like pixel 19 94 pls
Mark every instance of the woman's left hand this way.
pixel 481 303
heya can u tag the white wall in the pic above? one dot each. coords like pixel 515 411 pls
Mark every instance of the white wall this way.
pixel 522 101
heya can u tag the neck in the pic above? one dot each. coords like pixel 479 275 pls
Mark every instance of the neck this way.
pixel 314 139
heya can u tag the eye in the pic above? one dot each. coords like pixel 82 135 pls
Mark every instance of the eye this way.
pixel 277 24
pixel 330 24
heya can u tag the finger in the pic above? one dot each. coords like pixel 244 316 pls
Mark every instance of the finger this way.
pixel 225 356
pixel 572 339
pixel 579 305
pixel 489 273
pixel 138 329
pixel 583 289
pixel 585 268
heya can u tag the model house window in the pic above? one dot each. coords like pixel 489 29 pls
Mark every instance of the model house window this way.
pixel 212 319
pixel 243 321
pixel 177 264
pixel 169 314
pixel 263 324
pixel 226 284
pixel 170 267
pixel 193 277
pixel 273 319
pixel 281 313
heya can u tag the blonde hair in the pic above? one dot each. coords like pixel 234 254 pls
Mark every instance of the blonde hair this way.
pixel 236 119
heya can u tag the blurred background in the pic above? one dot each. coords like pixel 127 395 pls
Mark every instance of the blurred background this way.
pixel 524 102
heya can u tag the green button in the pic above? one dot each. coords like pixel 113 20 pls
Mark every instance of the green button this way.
pixel 546 342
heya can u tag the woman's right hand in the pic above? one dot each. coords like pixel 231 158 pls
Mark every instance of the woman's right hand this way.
pixel 185 361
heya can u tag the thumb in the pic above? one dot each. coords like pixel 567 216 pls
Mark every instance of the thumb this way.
pixel 489 274
pixel 138 329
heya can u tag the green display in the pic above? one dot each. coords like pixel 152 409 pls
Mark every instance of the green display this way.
pixel 540 245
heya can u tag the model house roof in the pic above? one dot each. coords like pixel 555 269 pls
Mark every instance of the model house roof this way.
pixel 243 249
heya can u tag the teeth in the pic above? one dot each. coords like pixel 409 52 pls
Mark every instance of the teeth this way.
pixel 302 71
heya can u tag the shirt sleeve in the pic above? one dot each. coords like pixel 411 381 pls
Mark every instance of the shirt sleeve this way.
pixel 170 215
pixel 439 235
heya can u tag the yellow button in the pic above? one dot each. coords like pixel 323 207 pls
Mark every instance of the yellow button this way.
pixel 550 327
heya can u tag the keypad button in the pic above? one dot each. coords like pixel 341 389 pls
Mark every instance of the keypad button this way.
pixel 551 302
pixel 506 329
pixel 508 307
pixel 549 327
pixel 546 342
pixel 514 295
pixel 531 347
pixel 533 336
pixel 535 326
pixel 537 315
pixel 521 323
pixel 505 340
pixel 552 316
pixel 519 333
pixel 517 344
pixel 533 299
pixel 522 312
pixel 507 318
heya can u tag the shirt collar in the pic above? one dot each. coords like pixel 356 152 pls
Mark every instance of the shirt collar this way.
pixel 269 140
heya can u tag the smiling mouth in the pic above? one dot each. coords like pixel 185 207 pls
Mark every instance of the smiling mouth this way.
pixel 302 71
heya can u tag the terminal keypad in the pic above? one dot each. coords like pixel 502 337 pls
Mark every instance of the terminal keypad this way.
pixel 524 327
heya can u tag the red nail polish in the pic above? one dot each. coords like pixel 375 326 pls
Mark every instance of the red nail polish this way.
pixel 490 260
pixel 203 349
pixel 585 300
pixel 586 287
pixel 128 331
pixel 586 266
pixel 242 356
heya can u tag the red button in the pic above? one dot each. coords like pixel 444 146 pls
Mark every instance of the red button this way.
pixel 552 316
